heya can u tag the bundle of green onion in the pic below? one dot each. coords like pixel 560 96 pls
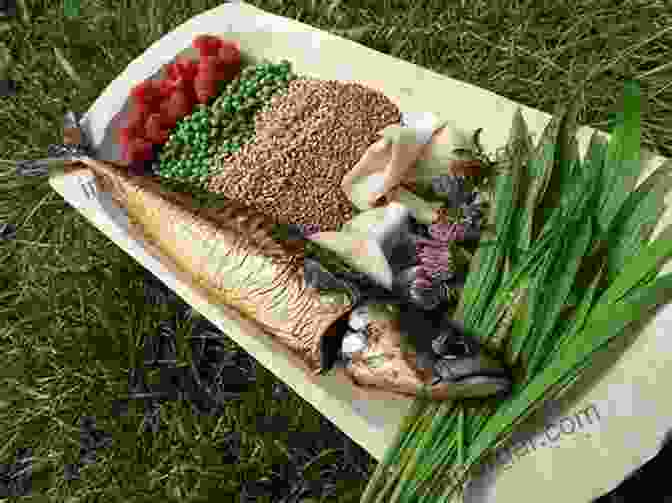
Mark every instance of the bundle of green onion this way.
pixel 577 229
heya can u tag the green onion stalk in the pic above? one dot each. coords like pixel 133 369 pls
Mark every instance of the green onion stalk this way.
pixel 547 296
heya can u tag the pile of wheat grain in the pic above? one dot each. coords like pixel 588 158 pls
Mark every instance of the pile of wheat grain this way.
pixel 307 139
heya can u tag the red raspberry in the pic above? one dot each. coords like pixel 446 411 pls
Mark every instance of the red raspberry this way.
pixel 138 113
pixel 172 72
pixel 124 135
pixel 182 69
pixel 146 92
pixel 205 87
pixel 154 130
pixel 229 53
pixel 188 68
pixel 210 65
pixel 188 89
pixel 140 91
pixel 179 105
pixel 166 88
pixel 135 129
pixel 167 121
pixel 185 85
pixel 140 149
pixel 206 45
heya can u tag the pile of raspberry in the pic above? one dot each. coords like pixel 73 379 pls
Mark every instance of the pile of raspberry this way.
pixel 157 105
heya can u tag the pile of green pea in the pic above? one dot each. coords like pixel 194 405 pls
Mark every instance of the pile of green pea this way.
pixel 223 127
pixel 186 154
pixel 234 110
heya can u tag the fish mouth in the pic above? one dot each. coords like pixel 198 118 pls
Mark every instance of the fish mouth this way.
pixel 474 376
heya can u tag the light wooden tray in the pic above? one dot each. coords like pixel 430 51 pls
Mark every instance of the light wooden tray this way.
pixel 576 466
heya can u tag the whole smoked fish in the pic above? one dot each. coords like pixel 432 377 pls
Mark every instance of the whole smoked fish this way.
pixel 230 254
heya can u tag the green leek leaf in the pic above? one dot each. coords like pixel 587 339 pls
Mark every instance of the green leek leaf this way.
pixel 638 217
pixel 483 278
pixel 558 287
pixel 649 261
pixel 622 164
pixel 578 321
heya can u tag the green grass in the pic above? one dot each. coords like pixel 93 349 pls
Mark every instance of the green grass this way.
pixel 72 312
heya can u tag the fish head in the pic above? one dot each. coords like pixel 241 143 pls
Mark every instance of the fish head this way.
pixel 399 358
